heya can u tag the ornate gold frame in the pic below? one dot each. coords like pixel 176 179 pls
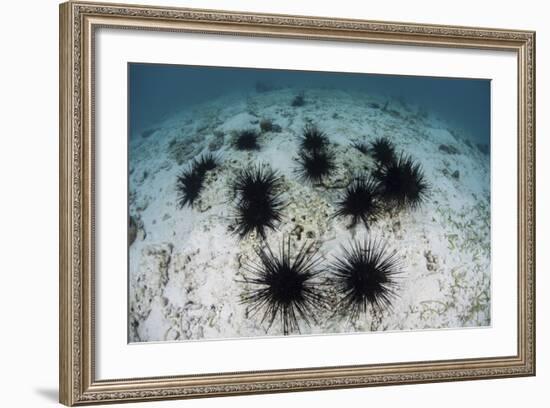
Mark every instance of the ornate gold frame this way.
pixel 78 21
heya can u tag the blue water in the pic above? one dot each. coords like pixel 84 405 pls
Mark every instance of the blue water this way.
pixel 157 91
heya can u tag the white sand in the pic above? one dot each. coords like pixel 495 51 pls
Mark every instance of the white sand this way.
pixel 185 269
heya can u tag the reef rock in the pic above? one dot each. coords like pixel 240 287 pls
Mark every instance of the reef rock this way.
pixel 149 282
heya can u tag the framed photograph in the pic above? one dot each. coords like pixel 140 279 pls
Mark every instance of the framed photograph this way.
pixel 256 203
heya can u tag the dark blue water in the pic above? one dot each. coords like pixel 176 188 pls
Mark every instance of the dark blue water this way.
pixel 156 91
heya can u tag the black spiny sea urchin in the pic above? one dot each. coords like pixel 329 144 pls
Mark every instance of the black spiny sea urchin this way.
pixel 188 186
pixel 313 139
pixel 361 146
pixel 402 183
pixel 190 182
pixel 315 166
pixel 259 204
pixel 285 286
pixel 383 151
pixel 246 140
pixel 364 276
pixel 206 162
pixel 361 201
pixel 299 100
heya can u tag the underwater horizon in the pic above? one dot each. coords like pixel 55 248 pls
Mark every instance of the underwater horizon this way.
pixel 159 90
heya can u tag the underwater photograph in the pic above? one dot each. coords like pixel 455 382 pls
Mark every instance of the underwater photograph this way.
pixel 267 202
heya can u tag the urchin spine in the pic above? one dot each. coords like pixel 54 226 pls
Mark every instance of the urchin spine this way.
pixel 284 286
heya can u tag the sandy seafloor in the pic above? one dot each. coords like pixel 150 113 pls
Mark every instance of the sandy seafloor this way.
pixel 185 264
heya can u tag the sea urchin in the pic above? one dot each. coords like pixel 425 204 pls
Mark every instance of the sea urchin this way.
pixel 190 182
pixel 383 151
pixel 364 276
pixel 361 146
pixel 316 165
pixel 313 139
pixel 299 100
pixel 259 204
pixel 361 201
pixel 402 183
pixel 246 140
pixel 284 286
pixel 206 162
